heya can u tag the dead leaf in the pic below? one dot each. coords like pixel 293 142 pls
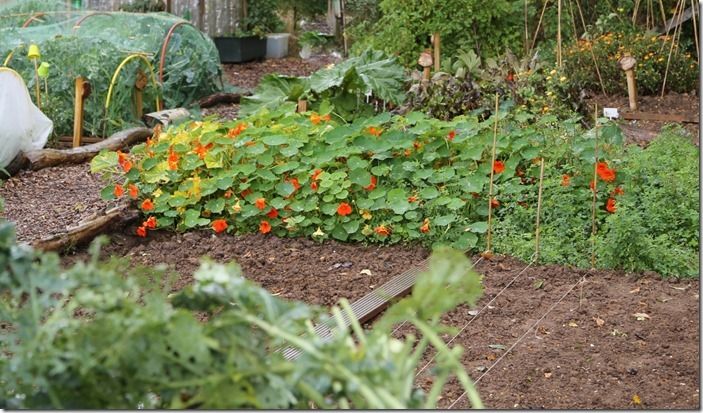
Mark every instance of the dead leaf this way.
pixel 636 400
pixel 641 316
pixel 365 272
pixel 599 321
pixel 487 255
pixel 491 357
pixel 496 346
pixel 543 330
pixel 473 313
pixel 503 267
pixel 572 323
pixel 636 290
pixel 681 288
pixel 548 374
pixel 537 284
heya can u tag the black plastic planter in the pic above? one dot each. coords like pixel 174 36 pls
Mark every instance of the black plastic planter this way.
pixel 240 49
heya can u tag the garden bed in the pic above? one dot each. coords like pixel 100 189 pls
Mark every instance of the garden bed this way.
pixel 570 362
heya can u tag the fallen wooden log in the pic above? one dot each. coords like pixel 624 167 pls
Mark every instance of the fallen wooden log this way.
pixel 220 98
pixel 87 230
pixel 45 158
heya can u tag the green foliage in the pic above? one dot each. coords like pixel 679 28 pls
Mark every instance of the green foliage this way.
pixel 304 8
pixel 261 19
pixel 657 226
pixel 348 86
pixel 445 96
pixel 90 337
pixel 405 27
pixel 651 52
pixel 16 13
pixel 144 6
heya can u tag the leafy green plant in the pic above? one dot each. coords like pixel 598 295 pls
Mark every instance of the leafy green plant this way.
pixel 313 39
pixel 91 337
pixel 347 86
pixel 261 19
pixel 651 52
pixel 144 6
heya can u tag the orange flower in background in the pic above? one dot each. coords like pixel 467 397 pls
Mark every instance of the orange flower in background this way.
pixel 610 205
pixel 592 185
pixel 147 205
pixel 372 185
pixel 315 118
pixel 495 203
pixel 382 230
pixel 618 191
pixel 412 199
pixel 156 135
pixel 316 174
pixel 273 213
pixel 344 209
pixel 313 185
pixel 374 131
pixel 119 191
pixel 498 167
pixel 228 194
pixel 127 166
pixel 425 228
pixel 417 145
pixel 121 157
pixel 264 227
pixel 133 191
pixel 295 183
pixel 219 225
pixel 141 231
pixel 234 132
pixel 150 223
pixel 172 160
pixel 260 203
pixel 451 135
pixel 565 180
pixel 245 193
pixel 605 173
pixel 326 117
pixel 201 150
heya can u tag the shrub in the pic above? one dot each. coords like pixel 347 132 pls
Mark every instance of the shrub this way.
pixel 92 338
pixel 651 52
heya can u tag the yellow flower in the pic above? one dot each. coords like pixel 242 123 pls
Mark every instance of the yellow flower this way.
pixel 366 215
pixel 318 233
pixel 563 78
pixel 654 38
pixel 553 71
pixel 549 78
pixel 157 193
pixel 236 207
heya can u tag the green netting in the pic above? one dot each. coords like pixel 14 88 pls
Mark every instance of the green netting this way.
pixel 93 45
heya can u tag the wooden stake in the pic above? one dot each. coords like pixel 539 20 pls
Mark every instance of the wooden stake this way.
pixel 436 46
pixel 490 184
pixel 82 92
pixel 559 33
pixel 671 49
pixel 539 207
pixel 539 24
pixel 302 106
pixel 527 33
pixel 139 86
pixel 627 64
pixel 695 30
pixel 595 191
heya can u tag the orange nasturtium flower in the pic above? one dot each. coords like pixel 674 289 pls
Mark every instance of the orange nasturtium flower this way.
pixel 219 225
pixel 234 132
pixel 201 150
pixel 228 194
pixel 610 205
pixel 141 231
pixel 451 135
pixel 498 167
pixel 313 185
pixel 147 205
pixel 605 173
pixel 315 118
pixel 374 131
pixel 425 228
pixel 326 117
pixel 316 174
pixel 150 223
pixel 565 180
pixel 264 227
pixel 412 199
pixel 344 209
pixel 592 185
pixel 273 213
pixel 372 185
pixel 124 161
pixel 133 191
pixel 119 191
pixel 618 191
pixel 495 203
pixel 172 160
pixel 382 230
pixel 260 203
pixel 295 183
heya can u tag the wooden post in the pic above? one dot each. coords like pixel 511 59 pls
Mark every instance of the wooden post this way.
pixel 139 86
pixel 488 254
pixel 82 92
pixel 627 63
pixel 302 106
pixel 436 47
pixel 169 7
pixel 539 207
pixel 201 15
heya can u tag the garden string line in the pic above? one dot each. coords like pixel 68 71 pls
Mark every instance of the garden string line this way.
pixel 532 261
pixel 395 330
pixel 581 281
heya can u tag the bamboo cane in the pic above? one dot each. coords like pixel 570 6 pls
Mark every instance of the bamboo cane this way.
pixel 490 184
